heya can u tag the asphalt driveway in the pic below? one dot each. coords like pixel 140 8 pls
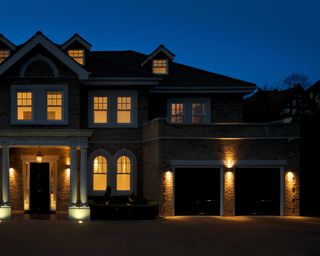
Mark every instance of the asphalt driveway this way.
pixel 173 236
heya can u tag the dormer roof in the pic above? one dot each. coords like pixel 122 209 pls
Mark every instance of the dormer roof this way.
pixel 76 38
pixel 159 49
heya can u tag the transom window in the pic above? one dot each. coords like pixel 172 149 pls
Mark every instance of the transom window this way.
pixel 54 105
pixel 160 66
pixel 111 109
pixel 100 173
pixel 177 112
pixel 24 105
pixel 3 55
pixel 77 55
pixel 189 110
pixel 123 173
pixel 100 109
pixel 124 110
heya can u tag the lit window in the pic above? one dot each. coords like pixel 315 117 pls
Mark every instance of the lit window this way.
pixel 77 55
pixel 123 110
pixel 24 105
pixel 100 110
pixel 198 113
pixel 100 173
pixel 177 113
pixel 54 105
pixel 123 173
pixel 4 54
pixel 160 66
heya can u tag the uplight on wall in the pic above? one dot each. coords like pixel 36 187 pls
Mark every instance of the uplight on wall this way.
pixel 11 171
pixel 229 163
pixel 68 172
pixel 290 176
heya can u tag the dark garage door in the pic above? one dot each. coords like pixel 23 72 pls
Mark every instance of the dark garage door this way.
pixel 197 191
pixel 257 191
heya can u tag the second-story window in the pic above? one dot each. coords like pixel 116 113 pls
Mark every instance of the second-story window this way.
pixel 124 110
pixel 189 110
pixel 24 106
pixel 54 105
pixel 100 109
pixel 198 113
pixel 39 104
pixel 160 66
pixel 112 109
pixel 3 55
pixel 77 55
pixel 177 113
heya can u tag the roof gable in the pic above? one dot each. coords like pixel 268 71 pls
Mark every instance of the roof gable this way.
pixel 160 49
pixel 76 38
pixel 6 42
pixel 40 39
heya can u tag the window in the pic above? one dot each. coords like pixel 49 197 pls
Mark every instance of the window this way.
pixel 112 109
pixel 24 105
pixel 54 106
pixel 123 173
pixel 100 173
pixel 3 55
pixel 123 110
pixel 100 110
pixel 39 104
pixel 189 110
pixel 77 55
pixel 198 113
pixel 160 66
pixel 177 112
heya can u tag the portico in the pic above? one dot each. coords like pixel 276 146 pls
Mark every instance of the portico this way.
pixel 65 151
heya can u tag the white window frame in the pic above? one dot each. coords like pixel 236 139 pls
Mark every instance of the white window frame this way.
pixel 112 172
pixel 112 109
pixel 187 109
pixel 39 103
pixel 167 66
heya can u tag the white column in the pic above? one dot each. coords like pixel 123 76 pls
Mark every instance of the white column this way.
pixel 83 176
pixel 5 175
pixel 73 176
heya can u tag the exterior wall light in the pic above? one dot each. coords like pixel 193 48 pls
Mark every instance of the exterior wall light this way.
pixel 39 157
pixel 11 171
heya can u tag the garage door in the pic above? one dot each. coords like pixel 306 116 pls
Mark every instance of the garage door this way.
pixel 197 191
pixel 257 191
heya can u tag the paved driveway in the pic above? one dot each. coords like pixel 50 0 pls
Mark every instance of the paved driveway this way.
pixel 173 236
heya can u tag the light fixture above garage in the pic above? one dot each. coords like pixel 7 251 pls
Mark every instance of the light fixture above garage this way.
pixel 39 156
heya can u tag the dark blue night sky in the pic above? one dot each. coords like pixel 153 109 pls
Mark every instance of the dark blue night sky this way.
pixel 258 41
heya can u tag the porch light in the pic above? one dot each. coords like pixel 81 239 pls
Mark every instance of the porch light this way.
pixel 39 157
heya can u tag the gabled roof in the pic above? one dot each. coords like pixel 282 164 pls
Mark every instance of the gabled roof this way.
pixel 74 38
pixel 41 39
pixel 315 87
pixel 7 42
pixel 161 48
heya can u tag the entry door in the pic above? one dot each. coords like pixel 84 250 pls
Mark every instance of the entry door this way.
pixel 197 191
pixel 39 187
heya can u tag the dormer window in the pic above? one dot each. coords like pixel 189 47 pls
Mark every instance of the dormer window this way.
pixel 3 55
pixel 77 55
pixel 160 66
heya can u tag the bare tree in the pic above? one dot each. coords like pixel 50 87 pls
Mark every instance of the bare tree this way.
pixel 295 80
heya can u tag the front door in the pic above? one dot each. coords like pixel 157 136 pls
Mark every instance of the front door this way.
pixel 39 188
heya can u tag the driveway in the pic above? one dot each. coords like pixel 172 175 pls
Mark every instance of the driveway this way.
pixel 173 236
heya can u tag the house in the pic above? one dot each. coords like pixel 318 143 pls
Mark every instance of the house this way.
pixel 74 120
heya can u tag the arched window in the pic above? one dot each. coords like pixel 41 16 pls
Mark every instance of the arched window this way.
pixel 124 173
pixel 100 173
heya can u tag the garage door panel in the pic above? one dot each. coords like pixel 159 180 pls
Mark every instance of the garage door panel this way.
pixel 257 191
pixel 197 191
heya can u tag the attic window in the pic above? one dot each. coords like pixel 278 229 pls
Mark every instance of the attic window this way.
pixel 160 66
pixel 4 54
pixel 77 55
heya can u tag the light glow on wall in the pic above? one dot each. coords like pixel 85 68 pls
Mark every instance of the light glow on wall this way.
pixel 290 176
pixel 68 172
pixel 11 171
pixel 229 163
